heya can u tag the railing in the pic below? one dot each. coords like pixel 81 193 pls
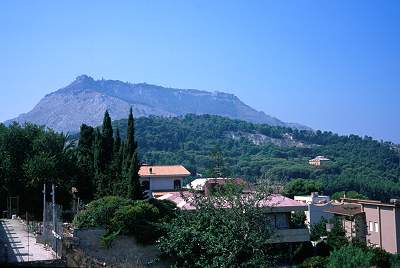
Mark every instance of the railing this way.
pixel 290 235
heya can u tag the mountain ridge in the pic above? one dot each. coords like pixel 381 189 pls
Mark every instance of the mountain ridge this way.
pixel 58 109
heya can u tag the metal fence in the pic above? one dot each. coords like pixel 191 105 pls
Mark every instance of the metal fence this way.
pixel 52 228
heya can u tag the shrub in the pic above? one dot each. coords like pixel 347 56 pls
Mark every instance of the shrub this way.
pixel 350 256
pixel 322 249
pixel 314 262
pixel 304 251
pixel 137 220
pixel 380 258
pixel 98 213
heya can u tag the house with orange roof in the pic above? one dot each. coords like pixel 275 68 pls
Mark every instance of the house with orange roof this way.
pixel 162 178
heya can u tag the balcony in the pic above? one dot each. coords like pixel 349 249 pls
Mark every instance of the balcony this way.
pixel 290 235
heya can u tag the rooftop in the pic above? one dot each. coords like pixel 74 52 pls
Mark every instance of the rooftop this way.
pixel 345 209
pixel 276 202
pixel 157 171
pixel 321 158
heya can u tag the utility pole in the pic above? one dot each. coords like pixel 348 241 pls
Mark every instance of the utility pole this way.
pixel 44 212
pixel 53 204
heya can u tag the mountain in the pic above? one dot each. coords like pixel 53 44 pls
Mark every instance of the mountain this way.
pixel 85 101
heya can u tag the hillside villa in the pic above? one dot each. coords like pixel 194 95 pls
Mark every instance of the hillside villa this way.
pixel 162 178
pixel 319 161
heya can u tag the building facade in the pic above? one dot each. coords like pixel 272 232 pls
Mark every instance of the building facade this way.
pixel 374 222
pixel 162 178
pixel 319 161
pixel 317 204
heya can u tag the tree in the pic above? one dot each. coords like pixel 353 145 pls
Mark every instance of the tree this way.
pixel 134 188
pixel 130 164
pixel 84 182
pixel 350 256
pixel 337 236
pixel 108 140
pixel 223 231
pixel 349 194
pixel 301 187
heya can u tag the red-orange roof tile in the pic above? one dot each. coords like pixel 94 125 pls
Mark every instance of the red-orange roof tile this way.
pixel 149 171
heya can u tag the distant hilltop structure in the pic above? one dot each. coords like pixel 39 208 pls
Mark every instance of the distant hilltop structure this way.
pixel 319 161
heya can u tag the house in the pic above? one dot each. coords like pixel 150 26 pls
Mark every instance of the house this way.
pixel 319 161
pixel 371 221
pixel 162 178
pixel 278 210
pixel 317 204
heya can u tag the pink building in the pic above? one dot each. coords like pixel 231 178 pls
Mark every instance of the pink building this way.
pixel 375 222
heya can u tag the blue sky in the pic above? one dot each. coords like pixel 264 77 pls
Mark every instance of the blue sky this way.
pixel 331 65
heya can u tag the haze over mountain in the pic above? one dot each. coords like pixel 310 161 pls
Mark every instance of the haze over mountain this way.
pixel 85 101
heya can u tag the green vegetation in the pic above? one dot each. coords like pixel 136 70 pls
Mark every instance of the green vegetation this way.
pixel 358 164
pixel 109 166
pixel 349 194
pixel 119 215
pixel 350 256
pixel 301 187
pixel 211 236
pixel 31 156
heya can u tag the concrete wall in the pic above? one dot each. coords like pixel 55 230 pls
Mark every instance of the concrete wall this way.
pixel 124 252
pixel 316 212
pixel 386 235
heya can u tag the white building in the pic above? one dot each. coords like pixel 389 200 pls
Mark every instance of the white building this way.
pixel 316 206
pixel 162 178
pixel 319 161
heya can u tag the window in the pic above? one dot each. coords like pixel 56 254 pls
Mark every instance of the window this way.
pixel 376 227
pixel 371 226
pixel 177 184
pixel 281 221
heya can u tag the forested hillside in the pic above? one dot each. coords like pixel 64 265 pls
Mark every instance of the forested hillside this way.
pixel 257 151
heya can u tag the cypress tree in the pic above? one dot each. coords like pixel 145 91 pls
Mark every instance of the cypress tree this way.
pixel 117 165
pixel 134 188
pixel 130 143
pixel 131 166
pixel 108 140
pixel 98 164
pixel 85 162
pixel 117 142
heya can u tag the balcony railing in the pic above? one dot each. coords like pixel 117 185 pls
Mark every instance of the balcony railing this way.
pixel 290 235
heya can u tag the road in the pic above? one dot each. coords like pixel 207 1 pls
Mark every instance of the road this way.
pixel 19 246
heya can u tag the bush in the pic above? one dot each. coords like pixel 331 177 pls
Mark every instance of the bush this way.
pixel 304 251
pixel 314 262
pixel 322 249
pixel 98 213
pixel 380 258
pixel 350 256
pixel 137 220
pixel 119 215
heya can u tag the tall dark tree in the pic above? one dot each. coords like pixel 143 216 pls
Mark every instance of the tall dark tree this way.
pixel 134 188
pixel 86 138
pixel 117 142
pixel 117 185
pixel 131 166
pixel 108 140
pixel 84 181
pixel 98 163
pixel 130 143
